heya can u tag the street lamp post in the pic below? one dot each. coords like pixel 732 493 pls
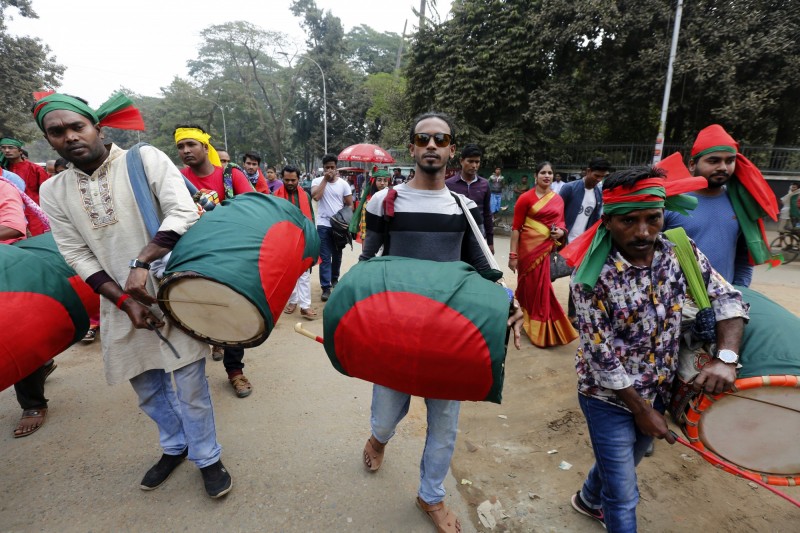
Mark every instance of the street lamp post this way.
pixel 324 100
pixel 222 110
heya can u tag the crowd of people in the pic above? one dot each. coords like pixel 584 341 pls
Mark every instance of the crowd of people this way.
pixel 627 306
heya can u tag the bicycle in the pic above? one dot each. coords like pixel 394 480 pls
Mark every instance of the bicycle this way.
pixel 786 244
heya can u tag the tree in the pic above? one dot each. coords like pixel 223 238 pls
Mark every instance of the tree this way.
pixel 239 64
pixel 388 113
pixel 26 66
pixel 370 51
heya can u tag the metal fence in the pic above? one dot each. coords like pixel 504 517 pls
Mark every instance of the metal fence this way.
pixel 574 157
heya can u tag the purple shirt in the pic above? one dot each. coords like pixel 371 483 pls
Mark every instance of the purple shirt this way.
pixel 274 185
pixel 478 191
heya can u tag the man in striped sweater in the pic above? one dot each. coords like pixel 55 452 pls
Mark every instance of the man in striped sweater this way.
pixel 421 219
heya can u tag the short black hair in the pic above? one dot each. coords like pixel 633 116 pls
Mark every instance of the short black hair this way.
pixel 251 155
pixel 328 158
pixel 432 114
pixel 291 169
pixel 195 126
pixel 599 163
pixel 60 162
pixel 270 167
pixel 471 150
pixel 628 177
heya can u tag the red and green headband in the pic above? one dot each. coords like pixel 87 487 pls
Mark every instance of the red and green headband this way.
pixel 117 112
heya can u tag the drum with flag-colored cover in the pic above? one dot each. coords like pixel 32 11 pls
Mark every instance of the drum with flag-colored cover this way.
pixel 755 426
pixel 230 276
pixel 426 328
pixel 44 306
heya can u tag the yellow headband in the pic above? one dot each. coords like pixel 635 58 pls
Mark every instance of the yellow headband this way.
pixel 181 134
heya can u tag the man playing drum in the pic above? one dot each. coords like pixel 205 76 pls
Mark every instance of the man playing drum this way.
pixel 100 231
pixel 427 223
pixel 629 292
pixel 204 170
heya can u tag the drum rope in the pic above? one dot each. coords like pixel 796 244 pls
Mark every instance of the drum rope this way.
pixel 763 401
pixel 735 470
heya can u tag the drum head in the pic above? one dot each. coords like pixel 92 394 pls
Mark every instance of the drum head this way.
pixel 232 320
pixel 762 437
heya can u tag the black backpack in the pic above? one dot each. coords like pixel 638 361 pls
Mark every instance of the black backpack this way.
pixel 340 227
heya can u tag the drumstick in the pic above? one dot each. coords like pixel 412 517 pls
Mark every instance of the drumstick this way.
pixel 175 300
pixel 304 332
pixel 737 471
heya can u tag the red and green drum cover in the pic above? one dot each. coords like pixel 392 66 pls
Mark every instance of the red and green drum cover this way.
pixel 256 245
pixel 41 310
pixel 426 328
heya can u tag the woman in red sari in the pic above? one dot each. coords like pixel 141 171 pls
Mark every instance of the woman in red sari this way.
pixel 538 230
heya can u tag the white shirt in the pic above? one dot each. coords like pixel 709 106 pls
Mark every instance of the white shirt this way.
pixel 556 186
pixel 587 208
pixel 332 199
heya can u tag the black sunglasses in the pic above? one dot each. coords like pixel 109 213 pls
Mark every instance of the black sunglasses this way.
pixel 440 139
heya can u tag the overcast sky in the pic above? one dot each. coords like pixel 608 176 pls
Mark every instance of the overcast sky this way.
pixel 143 44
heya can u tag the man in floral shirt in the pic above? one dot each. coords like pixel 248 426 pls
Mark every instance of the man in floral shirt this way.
pixel 629 294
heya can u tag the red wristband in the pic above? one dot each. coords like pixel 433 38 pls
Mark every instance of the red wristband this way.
pixel 121 300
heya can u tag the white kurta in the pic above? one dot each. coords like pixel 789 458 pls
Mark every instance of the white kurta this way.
pixel 97 225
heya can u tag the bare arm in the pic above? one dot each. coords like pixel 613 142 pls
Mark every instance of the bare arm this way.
pixel 7 233
pixel 648 420
pixel 137 278
pixel 716 377
pixel 348 200
pixel 140 315
pixel 512 259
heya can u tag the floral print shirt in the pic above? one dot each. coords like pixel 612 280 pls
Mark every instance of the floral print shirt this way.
pixel 630 323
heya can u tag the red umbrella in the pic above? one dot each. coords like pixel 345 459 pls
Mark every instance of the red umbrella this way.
pixel 366 153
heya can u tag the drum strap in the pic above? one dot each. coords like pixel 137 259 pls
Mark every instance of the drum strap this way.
pixel 141 188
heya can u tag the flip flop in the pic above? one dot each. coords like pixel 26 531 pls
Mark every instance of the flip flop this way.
pixel 308 314
pixel 289 309
pixel 447 524
pixel 373 459
pixel 30 422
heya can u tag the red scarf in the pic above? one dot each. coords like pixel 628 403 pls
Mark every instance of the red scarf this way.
pixel 300 200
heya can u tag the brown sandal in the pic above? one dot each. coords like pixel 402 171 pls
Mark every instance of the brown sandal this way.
pixel 30 422
pixel 241 385
pixel 445 521
pixel 290 308
pixel 373 459
pixel 308 314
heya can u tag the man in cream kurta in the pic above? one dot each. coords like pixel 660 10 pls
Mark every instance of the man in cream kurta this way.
pixel 99 229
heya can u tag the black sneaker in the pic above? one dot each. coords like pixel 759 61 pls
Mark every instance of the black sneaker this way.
pixel 159 473
pixel 217 480
pixel 334 283
pixel 579 505
pixel 326 293
pixel 650 449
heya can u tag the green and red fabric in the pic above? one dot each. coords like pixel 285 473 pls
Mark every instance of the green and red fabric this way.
pixel 299 198
pixel 426 328
pixel 751 196
pixel 117 112
pixel 257 245
pixel 588 252
pixel 45 307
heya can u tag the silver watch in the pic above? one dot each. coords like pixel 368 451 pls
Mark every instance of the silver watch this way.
pixel 728 356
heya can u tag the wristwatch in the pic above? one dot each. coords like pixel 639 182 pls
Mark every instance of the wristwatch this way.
pixel 135 263
pixel 728 356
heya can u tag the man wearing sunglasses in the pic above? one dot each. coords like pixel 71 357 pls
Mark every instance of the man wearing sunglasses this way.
pixel 425 222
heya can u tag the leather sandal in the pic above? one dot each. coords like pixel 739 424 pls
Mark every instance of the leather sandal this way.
pixel 241 385
pixel 290 308
pixel 30 422
pixel 373 459
pixel 443 518
pixel 308 314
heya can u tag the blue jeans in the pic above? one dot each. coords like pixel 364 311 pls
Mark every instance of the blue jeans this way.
pixel 331 258
pixel 618 447
pixel 183 413
pixel 495 202
pixel 389 407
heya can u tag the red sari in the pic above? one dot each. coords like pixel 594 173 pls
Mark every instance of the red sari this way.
pixel 545 322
